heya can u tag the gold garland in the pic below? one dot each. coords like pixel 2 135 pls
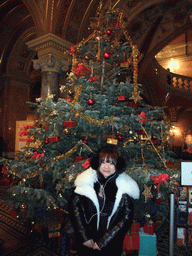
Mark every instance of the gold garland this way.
pixel 163 161
pixel 87 118
pixel 135 53
pixel 55 159
pixel 145 167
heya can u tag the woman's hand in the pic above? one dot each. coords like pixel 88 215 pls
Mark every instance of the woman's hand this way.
pixel 96 247
pixel 89 243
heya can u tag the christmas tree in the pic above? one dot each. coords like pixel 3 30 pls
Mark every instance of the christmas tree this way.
pixel 104 105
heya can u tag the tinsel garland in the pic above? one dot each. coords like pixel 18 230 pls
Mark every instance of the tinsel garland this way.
pixel 163 161
pixel 87 118
pixel 55 159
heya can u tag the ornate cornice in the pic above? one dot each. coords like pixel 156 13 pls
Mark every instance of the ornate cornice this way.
pixel 49 44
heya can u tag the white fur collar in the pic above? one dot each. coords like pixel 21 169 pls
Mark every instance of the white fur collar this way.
pixel 84 184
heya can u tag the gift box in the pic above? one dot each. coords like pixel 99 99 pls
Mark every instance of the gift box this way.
pixel 121 98
pixel 181 238
pixel 190 216
pixel 149 228
pixel 135 227
pixel 78 158
pixel 182 214
pixel 124 64
pixel 54 139
pixel 190 237
pixel 112 141
pixel 131 242
pixel 147 244
pixel 69 123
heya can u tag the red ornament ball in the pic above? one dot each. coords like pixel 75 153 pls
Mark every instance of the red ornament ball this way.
pixel 109 32
pixel 120 137
pixel 90 101
pixel 107 55
pixel 85 141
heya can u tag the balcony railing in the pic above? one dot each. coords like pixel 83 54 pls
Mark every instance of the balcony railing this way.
pixel 176 84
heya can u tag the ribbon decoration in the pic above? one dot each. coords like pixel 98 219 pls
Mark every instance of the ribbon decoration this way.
pixel 4 170
pixel 159 179
pixel 81 67
pixel 37 156
pixel 28 140
pixel 25 132
pixel 86 164
pixel 143 117
pixel 189 150
pixel 92 79
pixel 72 49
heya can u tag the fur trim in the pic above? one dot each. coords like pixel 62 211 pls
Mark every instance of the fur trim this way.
pixel 128 185
pixel 85 186
pixel 88 177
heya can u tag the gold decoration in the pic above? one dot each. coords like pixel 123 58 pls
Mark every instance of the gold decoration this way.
pixel 147 192
pixel 135 96
pixel 70 92
pixel 41 180
pixel 76 115
pixel 71 178
pixel 98 56
pixel 66 131
pixel 23 207
pixel 149 139
pixel 62 88
pixel 112 141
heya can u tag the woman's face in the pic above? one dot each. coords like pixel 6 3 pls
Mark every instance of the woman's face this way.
pixel 107 167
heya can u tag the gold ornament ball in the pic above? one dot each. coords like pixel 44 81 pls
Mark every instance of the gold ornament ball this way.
pixel 70 92
pixel 23 207
pixel 66 131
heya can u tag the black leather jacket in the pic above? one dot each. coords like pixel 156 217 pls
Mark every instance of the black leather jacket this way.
pixel 87 218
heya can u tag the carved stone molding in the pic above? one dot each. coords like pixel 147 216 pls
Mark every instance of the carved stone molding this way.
pixel 50 63
pixel 49 44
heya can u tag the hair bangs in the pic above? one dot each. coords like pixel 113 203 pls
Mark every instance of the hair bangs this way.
pixel 109 156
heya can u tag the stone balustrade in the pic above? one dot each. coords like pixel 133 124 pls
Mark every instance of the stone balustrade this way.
pixel 174 83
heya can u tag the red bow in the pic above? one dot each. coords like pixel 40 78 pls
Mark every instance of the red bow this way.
pixel 28 140
pixel 25 132
pixel 81 66
pixel 143 117
pixel 133 105
pixel 159 179
pixel 72 49
pixel 37 156
pixel 4 170
pixel 189 150
pixel 92 79
pixel 86 163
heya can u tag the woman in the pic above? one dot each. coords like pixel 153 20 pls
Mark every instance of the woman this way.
pixel 101 208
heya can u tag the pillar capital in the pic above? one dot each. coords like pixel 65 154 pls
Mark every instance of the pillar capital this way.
pixel 49 44
pixel 50 63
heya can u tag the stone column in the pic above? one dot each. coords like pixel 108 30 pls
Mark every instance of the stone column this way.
pixel 51 61
pixel 51 67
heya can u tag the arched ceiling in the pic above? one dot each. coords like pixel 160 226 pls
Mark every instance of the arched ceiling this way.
pixel 152 24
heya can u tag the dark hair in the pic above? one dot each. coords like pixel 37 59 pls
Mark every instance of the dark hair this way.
pixel 109 152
